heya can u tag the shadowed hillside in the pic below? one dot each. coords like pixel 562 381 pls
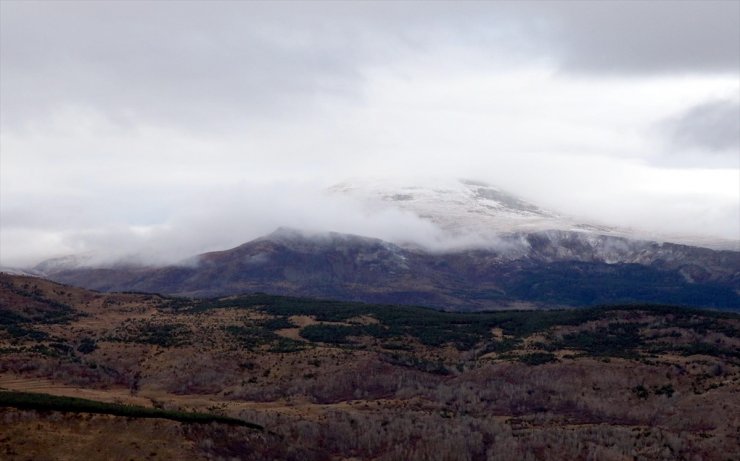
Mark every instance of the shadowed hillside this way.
pixel 546 269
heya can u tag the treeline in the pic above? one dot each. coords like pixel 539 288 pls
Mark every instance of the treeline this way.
pixel 466 331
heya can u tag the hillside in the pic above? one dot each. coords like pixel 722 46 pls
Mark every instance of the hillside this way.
pixel 340 380
pixel 545 269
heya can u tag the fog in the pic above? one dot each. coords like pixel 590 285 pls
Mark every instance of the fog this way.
pixel 159 130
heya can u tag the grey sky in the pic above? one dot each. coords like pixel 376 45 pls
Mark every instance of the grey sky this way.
pixel 118 119
pixel 713 127
pixel 648 36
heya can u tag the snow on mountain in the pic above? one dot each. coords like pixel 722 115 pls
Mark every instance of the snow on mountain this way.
pixel 64 262
pixel 465 207
pixel 549 269
pixel 474 208
pixel 19 271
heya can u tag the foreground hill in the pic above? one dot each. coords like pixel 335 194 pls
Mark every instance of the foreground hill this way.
pixel 338 380
pixel 545 269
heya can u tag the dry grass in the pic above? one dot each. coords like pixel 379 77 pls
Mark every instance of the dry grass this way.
pixel 372 398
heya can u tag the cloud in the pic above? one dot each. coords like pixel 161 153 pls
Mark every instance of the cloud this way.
pixel 706 134
pixel 180 63
pixel 631 37
pixel 117 118
pixel 712 126
pixel 223 65
pixel 214 218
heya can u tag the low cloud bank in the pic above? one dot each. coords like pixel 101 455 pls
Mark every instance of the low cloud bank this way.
pixel 222 218
pixel 171 230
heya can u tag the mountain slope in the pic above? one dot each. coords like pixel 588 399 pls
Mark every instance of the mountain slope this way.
pixel 545 269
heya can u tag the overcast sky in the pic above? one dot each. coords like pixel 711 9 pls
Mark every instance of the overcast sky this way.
pixel 178 127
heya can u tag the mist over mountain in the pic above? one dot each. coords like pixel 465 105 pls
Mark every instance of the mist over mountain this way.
pixel 437 214
pixel 539 269
pixel 486 249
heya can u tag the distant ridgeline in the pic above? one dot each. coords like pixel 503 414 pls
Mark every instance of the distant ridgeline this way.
pixel 536 270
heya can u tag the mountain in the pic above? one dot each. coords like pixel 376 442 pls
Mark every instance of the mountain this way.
pixel 526 270
pixel 497 250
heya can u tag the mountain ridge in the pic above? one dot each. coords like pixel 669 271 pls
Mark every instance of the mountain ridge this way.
pixel 505 252
pixel 570 268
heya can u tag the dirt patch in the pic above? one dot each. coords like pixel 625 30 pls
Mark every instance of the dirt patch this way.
pixel 290 333
pixel 363 320
pixel 303 320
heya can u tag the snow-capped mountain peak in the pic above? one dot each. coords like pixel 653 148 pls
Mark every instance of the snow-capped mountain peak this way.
pixel 466 207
